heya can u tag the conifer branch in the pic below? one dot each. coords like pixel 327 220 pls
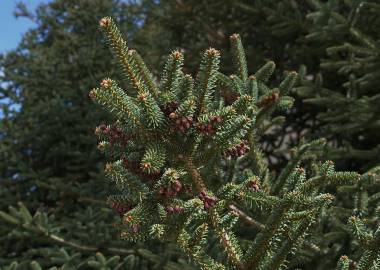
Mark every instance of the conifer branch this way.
pixel 343 263
pixel 257 251
pixel 198 256
pixel 287 84
pixel 207 78
pixel 264 73
pixel 253 89
pixel 110 250
pixel 223 235
pixel 247 219
pixel 195 175
pixel 114 98
pixel 120 49
pixel 193 129
pixel 147 76
pixel 279 257
pixel 239 59
pixel 259 163
pixel 298 155
pixel 172 74
pixel 225 239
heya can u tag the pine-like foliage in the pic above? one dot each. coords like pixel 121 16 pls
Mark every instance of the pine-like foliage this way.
pixel 346 91
pixel 53 209
pixel 348 104
pixel 188 163
pixel 336 40
pixel 47 156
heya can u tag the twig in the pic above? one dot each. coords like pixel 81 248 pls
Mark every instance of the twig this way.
pixel 61 241
pixel 254 223
pixel 247 219
pixel 224 237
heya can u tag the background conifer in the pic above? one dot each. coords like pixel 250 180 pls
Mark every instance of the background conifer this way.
pixel 265 152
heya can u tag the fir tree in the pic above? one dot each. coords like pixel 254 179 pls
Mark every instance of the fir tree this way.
pixel 348 106
pixel 188 160
pixel 340 34
pixel 189 151
pixel 337 40
pixel 50 170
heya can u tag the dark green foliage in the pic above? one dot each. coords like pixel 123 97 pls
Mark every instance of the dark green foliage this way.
pixel 47 158
pixel 336 40
pixel 157 163
pixel 266 200
pixel 349 111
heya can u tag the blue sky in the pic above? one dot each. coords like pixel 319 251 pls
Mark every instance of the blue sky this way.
pixel 11 29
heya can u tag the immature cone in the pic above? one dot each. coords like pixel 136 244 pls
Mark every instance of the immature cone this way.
pixel 121 208
pixel 174 210
pixel 113 133
pixel 208 201
pixel 238 150
pixel 135 228
pixel 169 210
pixel 301 170
pixel 254 184
pixel 171 191
pixel 268 100
pixel 170 107
pixel 127 219
pixel 173 115
pixel 183 123
pixel 178 209
pixel 209 128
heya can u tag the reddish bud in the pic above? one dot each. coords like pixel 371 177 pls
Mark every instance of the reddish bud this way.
pixel 104 22
pixel 135 228
pixel 181 129
pixel 169 209
pixel 206 206
pixel 173 115
pixel 106 83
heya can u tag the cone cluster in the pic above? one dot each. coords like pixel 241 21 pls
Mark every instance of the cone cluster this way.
pixel 208 201
pixel 174 209
pixel 238 150
pixel 171 191
pixel 209 128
